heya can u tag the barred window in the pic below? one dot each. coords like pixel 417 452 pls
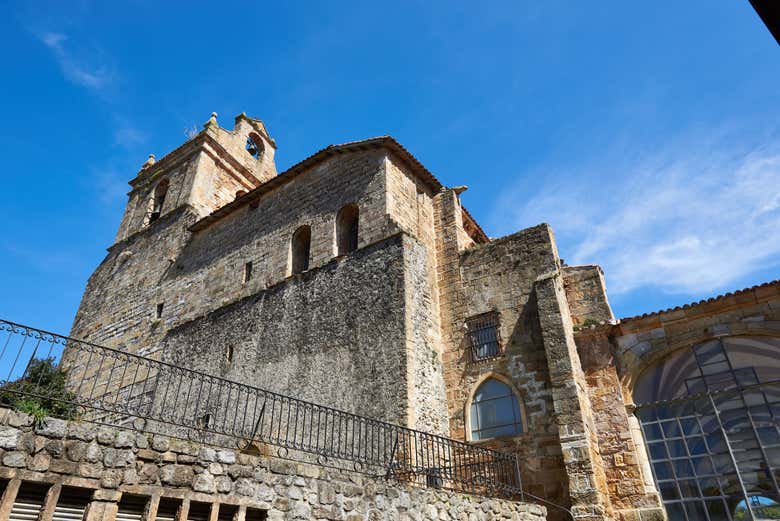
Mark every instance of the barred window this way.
pixel 495 411
pixel 484 336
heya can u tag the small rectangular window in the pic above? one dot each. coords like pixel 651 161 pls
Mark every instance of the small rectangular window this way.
pixel 483 336
pixel 168 509
pixel 227 513
pixel 247 272
pixel 199 511
pixel 72 503
pixel 158 312
pixel 132 507
pixel 254 514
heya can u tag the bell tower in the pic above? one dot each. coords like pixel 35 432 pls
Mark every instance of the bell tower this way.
pixel 205 173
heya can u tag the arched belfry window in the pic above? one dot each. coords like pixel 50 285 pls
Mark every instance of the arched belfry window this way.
pixel 495 411
pixel 158 200
pixel 254 145
pixel 300 247
pixel 347 229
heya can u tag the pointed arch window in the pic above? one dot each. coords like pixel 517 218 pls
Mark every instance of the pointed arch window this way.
pixel 347 229
pixel 495 411
pixel 300 248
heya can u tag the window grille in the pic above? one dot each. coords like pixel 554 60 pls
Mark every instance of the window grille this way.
pixel 484 337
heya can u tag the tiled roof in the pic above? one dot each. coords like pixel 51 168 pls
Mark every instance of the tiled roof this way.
pixel 387 142
pixel 704 301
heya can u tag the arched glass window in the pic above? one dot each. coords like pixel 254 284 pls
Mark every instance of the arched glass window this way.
pixel 347 229
pixel 158 200
pixel 495 411
pixel 300 246
pixel 711 411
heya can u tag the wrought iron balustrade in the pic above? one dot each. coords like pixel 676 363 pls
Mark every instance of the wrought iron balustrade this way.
pixel 113 387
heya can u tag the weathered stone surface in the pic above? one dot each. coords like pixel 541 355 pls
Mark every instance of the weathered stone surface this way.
pixel 177 475
pixel 51 427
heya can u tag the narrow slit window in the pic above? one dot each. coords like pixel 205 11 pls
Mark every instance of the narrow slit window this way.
pixel 300 249
pixel 483 336
pixel 347 229
pixel 158 200
pixel 247 272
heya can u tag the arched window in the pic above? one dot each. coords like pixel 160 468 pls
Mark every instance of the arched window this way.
pixel 347 229
pixel 254 145
pixel 158 200
pixel 300 246
pixel 495 411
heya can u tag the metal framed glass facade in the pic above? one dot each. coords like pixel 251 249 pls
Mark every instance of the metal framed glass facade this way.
pixel 713 438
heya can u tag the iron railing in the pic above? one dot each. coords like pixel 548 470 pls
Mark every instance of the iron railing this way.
pixel 109 386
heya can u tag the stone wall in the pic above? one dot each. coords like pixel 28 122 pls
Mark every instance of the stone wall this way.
pixel 346 318
pixel 499 277
pixel 586 294
pixel 108 463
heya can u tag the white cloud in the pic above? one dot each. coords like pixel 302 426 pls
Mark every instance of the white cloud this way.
pixel 76 69
pixel 693 217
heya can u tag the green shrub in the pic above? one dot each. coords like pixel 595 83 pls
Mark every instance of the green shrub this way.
pixel 41 392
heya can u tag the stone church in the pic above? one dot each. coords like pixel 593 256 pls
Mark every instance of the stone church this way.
pixel 356 280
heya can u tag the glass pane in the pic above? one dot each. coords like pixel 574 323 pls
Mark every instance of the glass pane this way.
pixel 671 429
pixel 683 468
pixel 696 445
pixel 696 510
pixel 676 448
pixel 668 490
pixel 657 451
pixel 663 470
pixel 690 426
pixel 703 466
pixel 709 487
pixel 652 431
pixel 717 510
pixel 676 512
pixel 688 488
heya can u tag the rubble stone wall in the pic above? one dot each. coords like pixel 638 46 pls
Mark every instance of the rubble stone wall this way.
pixel 110 462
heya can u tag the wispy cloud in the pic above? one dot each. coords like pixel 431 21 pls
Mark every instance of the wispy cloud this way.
pixel 692 217
pixel 87 71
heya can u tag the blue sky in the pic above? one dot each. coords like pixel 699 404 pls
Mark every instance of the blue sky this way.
pixel 646 134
